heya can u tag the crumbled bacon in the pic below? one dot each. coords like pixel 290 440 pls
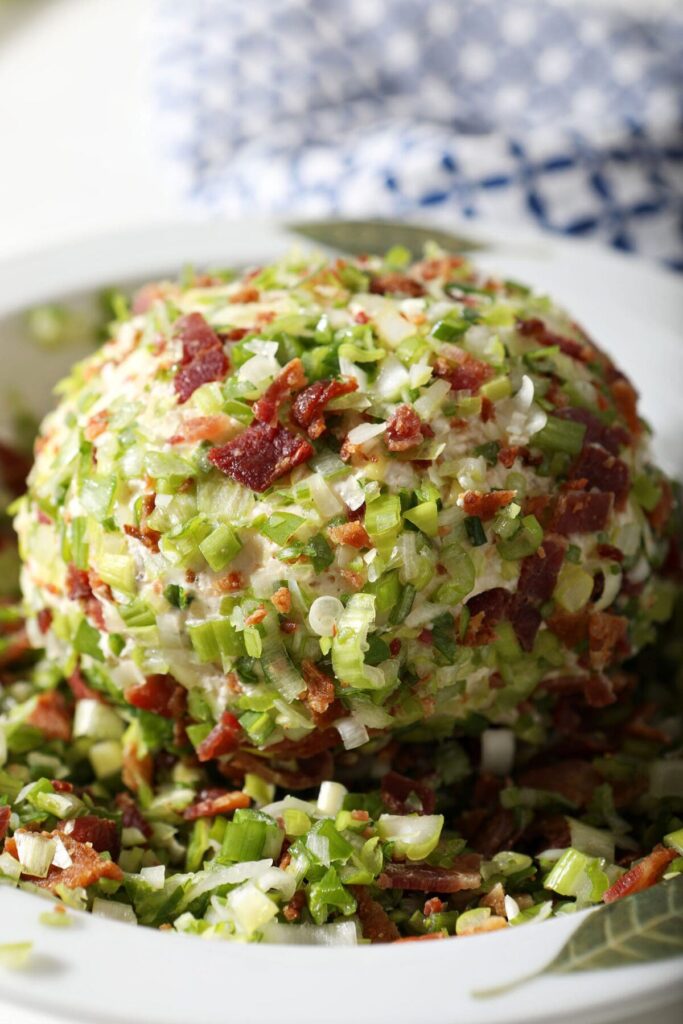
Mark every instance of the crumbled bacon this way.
pixel 159 694
pixel 575 780
pixel 507 456
pixel 526 621
pixel 282 599
pixel 603 471
pixel 131 815
pixel 137 770
pixel 463 874
pixel 5 813
pixel 223 738
pixel 606 635
pixel 599 690
pixel 80 688
pixel 217 427
pixel 216 801
pixel 44 620
pixel 626 400
pixel 311 771
pixel 150 538
pixel 396 790
pixel 291 379
pixel 642 876
pixel 52 716
pixel 203 358
pixel 375 923
pixel 536 329
pixel 396 283
pixel 538 572
pixel 467 374
pixel 610 437
pixel 486 611
pixel 354 534
pixel 77 584
pixel 87 866
pixel 309 405
pixel 248 293
pixel 404 430
pixel 292 910
pixel 96 425
pixel 610 552
pixel 434 906
pixel 582 512
pixel 485 504
pixel 101 833
pixel 260 455
pixel 319 693
pixel 499 831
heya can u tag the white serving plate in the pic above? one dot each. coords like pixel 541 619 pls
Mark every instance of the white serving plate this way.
pixel 103 971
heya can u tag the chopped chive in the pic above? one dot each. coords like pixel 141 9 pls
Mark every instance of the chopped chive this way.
pixel 475 531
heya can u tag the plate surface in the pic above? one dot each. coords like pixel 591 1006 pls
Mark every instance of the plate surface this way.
pixel 102 971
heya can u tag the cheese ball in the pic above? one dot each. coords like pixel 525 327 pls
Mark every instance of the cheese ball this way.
pixel 317 502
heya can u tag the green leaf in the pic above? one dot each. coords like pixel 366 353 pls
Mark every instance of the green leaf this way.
pixel 635 930
pixel 361 236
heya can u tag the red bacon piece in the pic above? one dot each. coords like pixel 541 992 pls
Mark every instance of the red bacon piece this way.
pixel 642 876
pixel 101 833
pixel 5 812
pixel 538 572
pixel 582 512
pixel 375 923
pixel 464 874
pixel 131 815
pixel 466 375
pixel 526 621
pixel 87 867
pixel 291 379
pixel 260 455
pixel 573 779
pixel 486 611
pixel 44 620
pixel 404 430
pixel 396 284
pixel 599 690
pixel 311 771
pixel 603 471
pixel 626 400
pixel 309 405
pixel 319 693
pixel 52 716
pixel 354 534
pixel 77 584
pixel 223 738
pixel 216 801
pixel 536 329
pixel 150 538
pixel 211 364
pixel 80 688
pixel 196 335
pixel 485 504
pixel 159 694
pixel 606 635
pixel 395 790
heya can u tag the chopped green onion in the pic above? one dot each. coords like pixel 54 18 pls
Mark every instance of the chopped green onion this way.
pixel 475 531
pixel 560 436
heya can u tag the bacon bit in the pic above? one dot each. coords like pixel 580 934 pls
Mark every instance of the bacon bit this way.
pixel 160 694
pixel 309 405
pixel 282 600
pixel 395 647
pixel 661 513
pixel 44 620
pixel 486 611
pixel 404 430
pixel 150 538
pixel 292 911
pixel 246 294
pixel 230 583
pixel 260 455
pixel 354 534
pixel 359 815
pixel 536 329
pixel 464 874
pixel 485 505
pixel 319 693
pixel 610 552
pixel 526 621
pixel 137 771
pixel 603 471
pixel 52 716
pixel 606 634
pixel 376 925
pixel 62 786
pixel 573 779
pixel 223 738
pixel 433 906
pixel 495 899
pixel 203 358
pixel 539 572
pixel 507 456
pixel 131 815
pixel 101 833
pixel 626 400
pixel 570 627
pixel 291 379
pixel 311 771
pixel 488 410
pixel 87 867
pixel 395 791
pixel 599 690
pixel 77 584
pixel 288 626
pixel 14 468
pixel 610 437
pixel 489 924
pixel 216 801
pixel 5 813
pixel 146 296
pixel 468 374
pixel 96 425
pixel 396 283
pixel 80 688
pixel 354 579
pixel 426 637
pixel 218 427
pixel 642 876
pixel 581 512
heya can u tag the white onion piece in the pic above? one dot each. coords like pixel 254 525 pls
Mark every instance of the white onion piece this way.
pixel 324 613
pixel 497 751
pixel 35 853
pixel 326 501
pixel 154 876
pixel 260 347
pixel 350 492
pixel 62 858
pixel 353 733
pixel 432 399
pixel 114 911
pixel 365 432
pixel 392 377
pixel 349 369
pixel 288 803
pixel 341 933
pixel 319 847
pixel 331 798
pixel 511 908
pixel 258 369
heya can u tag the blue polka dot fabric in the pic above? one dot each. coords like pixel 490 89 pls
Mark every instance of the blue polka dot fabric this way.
pixel 569 117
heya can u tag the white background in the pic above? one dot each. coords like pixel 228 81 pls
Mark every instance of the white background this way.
pixel 76 156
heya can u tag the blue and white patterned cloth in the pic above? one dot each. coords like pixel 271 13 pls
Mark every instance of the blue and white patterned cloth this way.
pixel 515 110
